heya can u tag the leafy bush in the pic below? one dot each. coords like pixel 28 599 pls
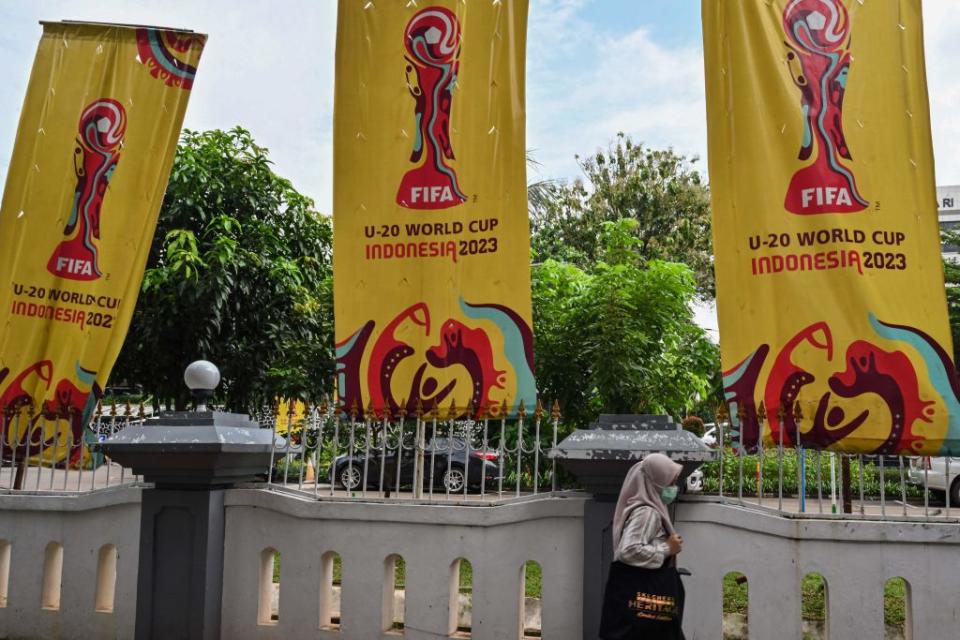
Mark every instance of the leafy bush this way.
pixel 791 478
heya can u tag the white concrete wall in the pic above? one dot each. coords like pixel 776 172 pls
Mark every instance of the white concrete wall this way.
pixel 855 558
pixel 496 540
pixel 774 552
pixel 82 524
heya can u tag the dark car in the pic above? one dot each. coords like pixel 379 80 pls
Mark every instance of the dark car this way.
pixel 451 467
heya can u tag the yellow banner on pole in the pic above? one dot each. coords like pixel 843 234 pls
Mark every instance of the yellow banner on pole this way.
pixel 90 164
pixel 431 236
pixel 833 323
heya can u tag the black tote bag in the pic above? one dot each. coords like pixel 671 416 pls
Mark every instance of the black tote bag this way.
pixel 642 604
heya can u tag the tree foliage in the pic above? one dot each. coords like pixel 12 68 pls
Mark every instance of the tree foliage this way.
pixel 619 336
pixel 239 274
pixel 658 189
pixel 951 272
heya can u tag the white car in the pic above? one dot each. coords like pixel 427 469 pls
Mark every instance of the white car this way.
pixel 936 473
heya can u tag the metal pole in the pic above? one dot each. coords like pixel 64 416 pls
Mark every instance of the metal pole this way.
pixel 819 481
pixel 336 448
pixel 860 474
pixel 883 489
pixel 419 445
pixel 383 453
pixel 903 486
pixel 396 486
pixel 522 415
pixel 741 454
pixel 466 456
pixel 503 453
pixel 303 446
pixel 320 417
pixel 483 465
pixel 802 472
pixel 351 448
pixel 66 460
pixel 946 485
pixel 274 444
pixel 833 482
pixel 366 455
pixel 422 452
pixel 760 460
pixel 43 440
pixel 536 452
pixel 433 452
pixel 555 419
pixel 801 461
pixel 780 466
pixel 720 442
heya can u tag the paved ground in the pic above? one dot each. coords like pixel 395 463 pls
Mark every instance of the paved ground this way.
pixel 60 480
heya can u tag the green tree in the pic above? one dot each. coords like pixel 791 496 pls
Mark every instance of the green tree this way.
pixel 659 189
pixel 619 336
pixel 239 274
pixel 951 273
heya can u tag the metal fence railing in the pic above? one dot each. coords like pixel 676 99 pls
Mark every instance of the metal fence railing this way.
pixel 796 480
pixel 423 456
pixel 56 452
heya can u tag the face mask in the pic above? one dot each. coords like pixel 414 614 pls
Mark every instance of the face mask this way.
pixel 668 494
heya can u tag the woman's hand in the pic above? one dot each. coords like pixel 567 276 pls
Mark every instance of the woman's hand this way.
pixel 675 543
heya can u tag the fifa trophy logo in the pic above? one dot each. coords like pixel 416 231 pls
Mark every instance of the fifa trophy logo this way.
pixel 432 41
pixel 818 36
pixel 95 158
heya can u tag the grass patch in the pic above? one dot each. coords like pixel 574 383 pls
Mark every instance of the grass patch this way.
pixel 533 583
pixel 813 597
pixel 814 601
pixel 534 580
pixel 735 592
pixel 895 602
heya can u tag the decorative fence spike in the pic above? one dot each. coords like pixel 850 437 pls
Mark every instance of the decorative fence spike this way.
pixel 723 413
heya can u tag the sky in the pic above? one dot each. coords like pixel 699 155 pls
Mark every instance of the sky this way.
pixel 594 68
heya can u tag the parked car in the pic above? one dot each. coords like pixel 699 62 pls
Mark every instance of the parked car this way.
pixel 451 467
pixel 936 474
pixel 886 461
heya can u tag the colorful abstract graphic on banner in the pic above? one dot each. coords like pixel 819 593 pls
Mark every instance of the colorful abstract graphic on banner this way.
pixel 431 238
pixel 90 163
pixel 833 322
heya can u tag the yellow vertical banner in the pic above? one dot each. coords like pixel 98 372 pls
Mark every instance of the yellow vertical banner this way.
pixel 90 164
pixel 833 323
pixel 431 236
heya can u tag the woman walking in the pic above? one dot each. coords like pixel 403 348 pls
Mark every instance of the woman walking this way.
pixel 644 596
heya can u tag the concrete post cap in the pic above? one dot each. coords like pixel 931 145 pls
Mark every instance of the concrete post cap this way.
pixel 201 376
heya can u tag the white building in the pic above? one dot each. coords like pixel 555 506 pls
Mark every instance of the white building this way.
pixel 948 213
